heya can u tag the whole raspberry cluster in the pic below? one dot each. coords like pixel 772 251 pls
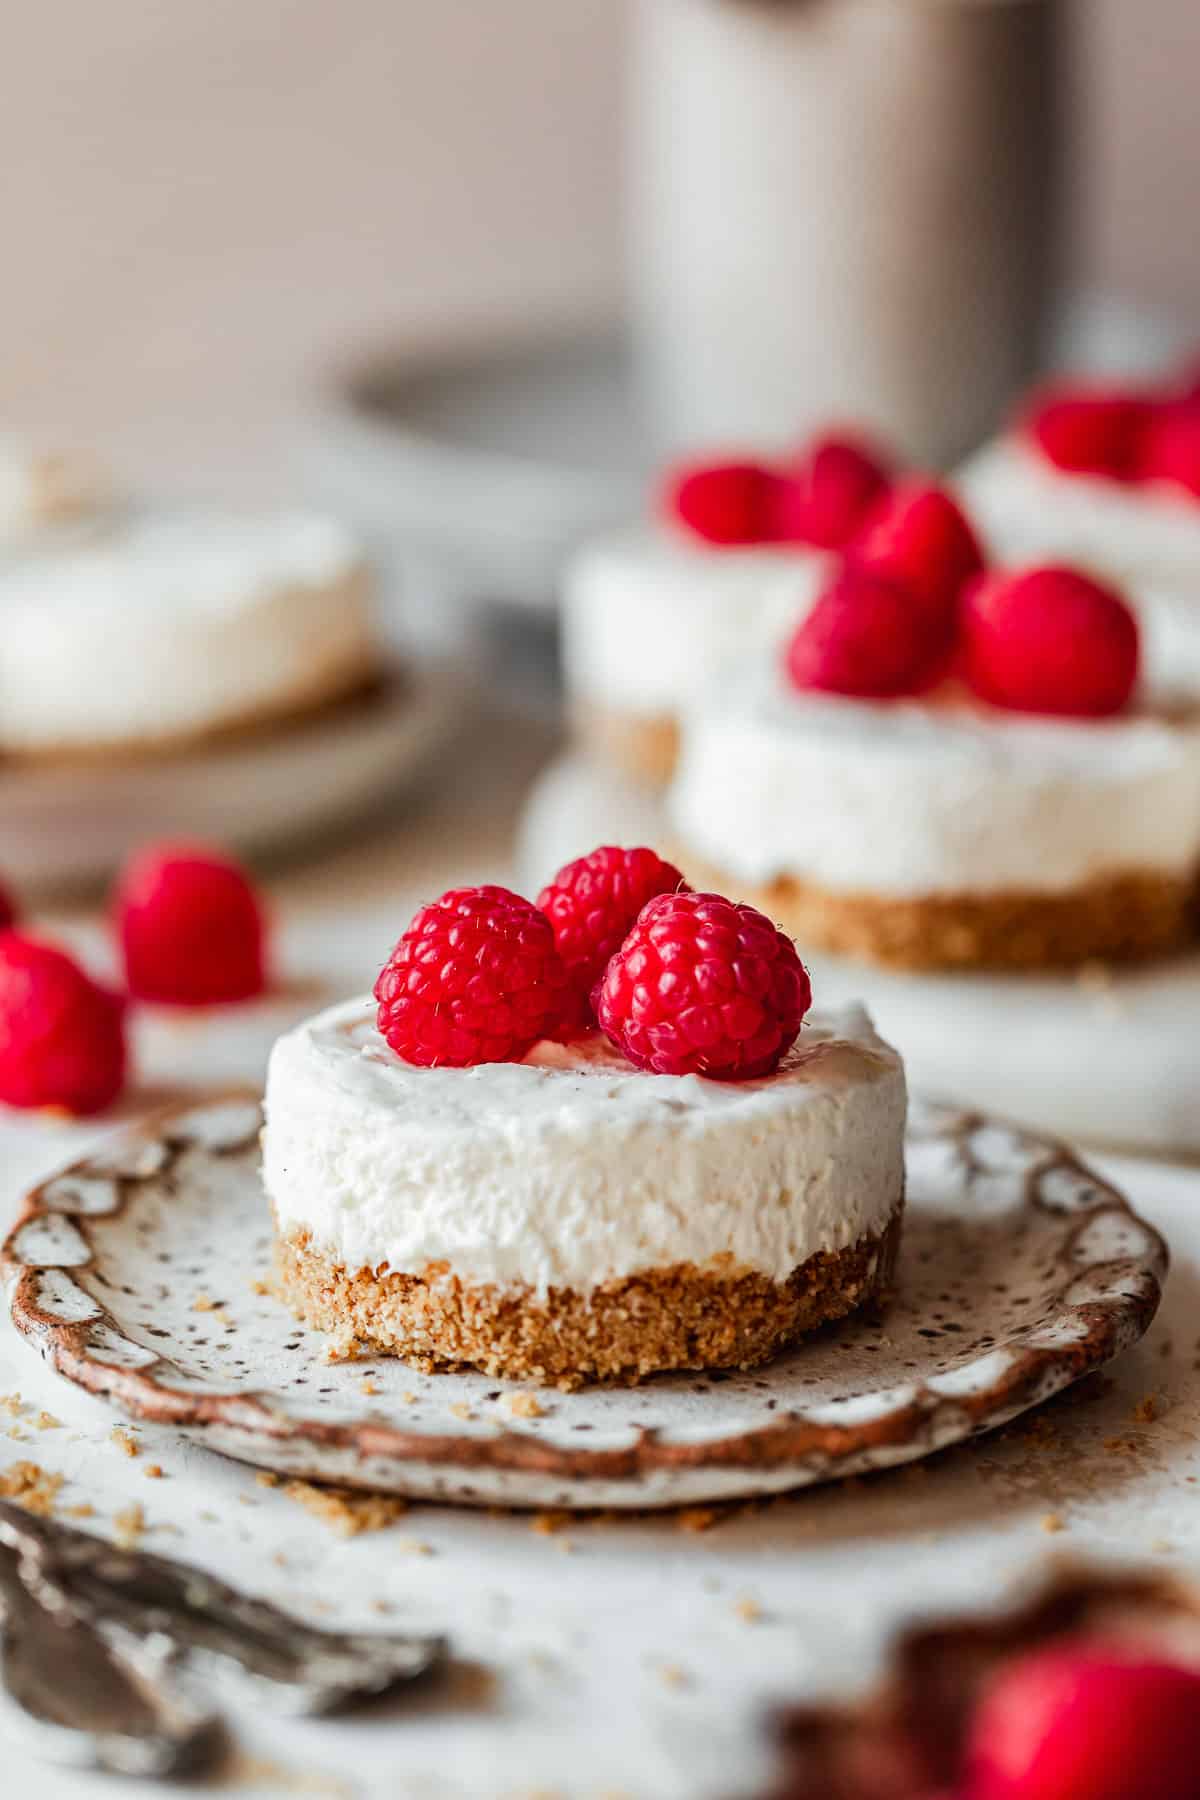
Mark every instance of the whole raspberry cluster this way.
pixel 911 603
pixel 821 496
pixel 683 983
pixel 1132 435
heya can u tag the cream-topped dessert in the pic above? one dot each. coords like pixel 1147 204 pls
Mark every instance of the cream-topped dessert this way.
pixel 169 628
pixel 568 1215
pixel 936 832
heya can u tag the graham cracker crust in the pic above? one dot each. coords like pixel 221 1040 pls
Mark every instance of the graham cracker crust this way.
pixel 644 748
pixel 681 1317
pixel 1122 918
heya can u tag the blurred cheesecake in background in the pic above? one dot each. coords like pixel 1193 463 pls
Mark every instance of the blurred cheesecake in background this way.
pixel 654 616
pixel 171 629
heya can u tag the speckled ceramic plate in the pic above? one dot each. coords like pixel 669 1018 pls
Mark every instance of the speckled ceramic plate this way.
pixel 137 1273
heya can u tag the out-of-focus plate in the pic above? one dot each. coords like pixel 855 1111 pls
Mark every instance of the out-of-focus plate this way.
pixel 138 1275
pixel 488 465
pixel 1107 1055
pixel 72 822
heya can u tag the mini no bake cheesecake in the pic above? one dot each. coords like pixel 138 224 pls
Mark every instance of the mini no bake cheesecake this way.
pixel 569 1216
pixel 166 630
pixel 653 616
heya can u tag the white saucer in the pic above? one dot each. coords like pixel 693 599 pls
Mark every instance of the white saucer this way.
pixel 73 823
pixel 1108 1061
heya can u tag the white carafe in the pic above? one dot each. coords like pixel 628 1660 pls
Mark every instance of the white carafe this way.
pixel 840 209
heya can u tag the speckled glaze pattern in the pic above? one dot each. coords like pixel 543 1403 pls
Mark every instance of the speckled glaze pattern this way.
pixel 138 1274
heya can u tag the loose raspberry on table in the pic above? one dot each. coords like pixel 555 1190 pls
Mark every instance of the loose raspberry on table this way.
pixel 702 986
pixel 921 536
pixel 724 503
pixel 191 926
pixel 476 978
pixel 1072 1723
pixel 1050 640
pixel 592 905
pixel 865 635
pixel 829 491
pixel 62 1035
pixel 1089 430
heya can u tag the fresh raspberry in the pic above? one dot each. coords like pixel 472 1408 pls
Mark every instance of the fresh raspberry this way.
pixel 703 987
pixel 593 903
pixel 1089 430
pixel 1050 640
pixel 724 503
pixel 921 536
pixel 62 1036
pixel 1072 1723
pixel 1170 448
pixel 828 492
pixel 191 927
pixel 476 978
pixel 865 635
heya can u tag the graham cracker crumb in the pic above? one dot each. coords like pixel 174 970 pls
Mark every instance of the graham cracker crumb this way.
pixel 410 1546
pixel 18 1436
pixel 125 1441
pixel 346 1512
pixel 522 1405
pixel 267 1478
pixel 547 1523
pixel 748 1609
pixel 1146 1410
pixel 461 1410
pixel 409 1399
pixel 153 1472
pixel 129 1524
pixel 83 1511
pixel 203 1303
pixel 12 1404
pixel 1052 1522
pixel 47 1422
pixel 259 1287
pixel 31 1486
pixel 368 1387
pixel 673 1675
pixel 697 1518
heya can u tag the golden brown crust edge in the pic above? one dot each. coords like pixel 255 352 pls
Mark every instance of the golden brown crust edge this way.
pixel 644 749
pixel 682 1317
pixel 1129 917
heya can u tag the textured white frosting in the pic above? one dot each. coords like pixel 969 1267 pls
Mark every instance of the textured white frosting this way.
pixel 1026 509
pixel 573 1167
pixel 914 798
pixel 651 618
pixel 174 624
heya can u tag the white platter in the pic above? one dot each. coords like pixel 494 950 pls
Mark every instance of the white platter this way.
pixel 138 1274
pixel 69 824
pixel 1104 1057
